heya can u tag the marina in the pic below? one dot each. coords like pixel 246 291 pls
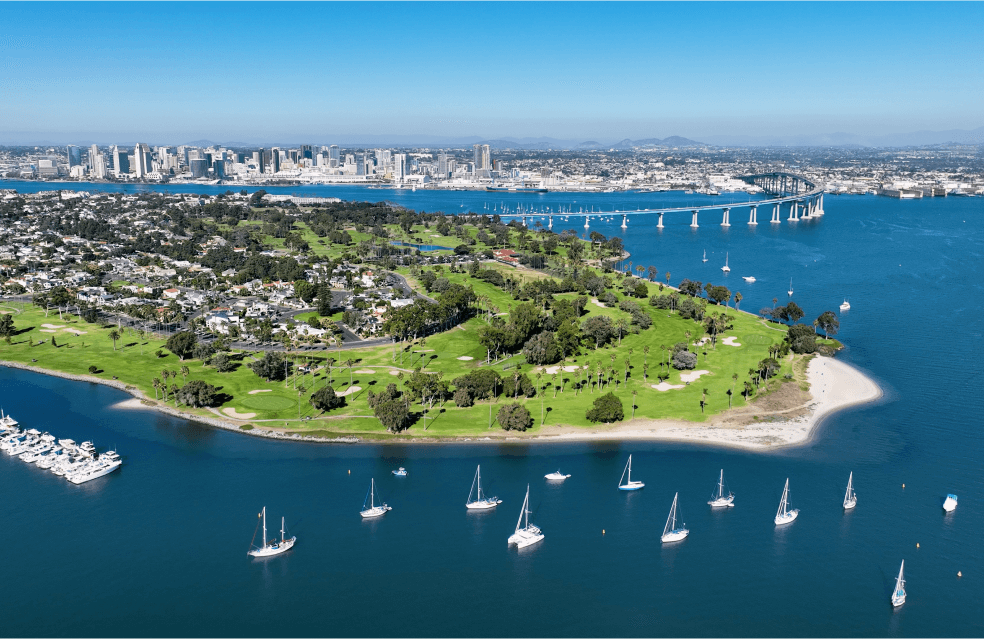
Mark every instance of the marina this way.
pixel 76 463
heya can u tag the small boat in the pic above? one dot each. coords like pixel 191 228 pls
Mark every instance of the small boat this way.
pixel 718 498
pixel 850 499
pixel 481 502
pixel 629 484
pixel 400 472
pixel 557 476
pixel 274 547
pixel 750 280
pixel 526 534
pixel 950 503
pixel 846 306
pixel 898 595
pixel 726 268
pixel 705 255
pixel 373 510
pixel 790 291
pixel 670 530
pixel 784 515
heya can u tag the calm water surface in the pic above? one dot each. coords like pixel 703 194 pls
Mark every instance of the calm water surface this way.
pixel 159 548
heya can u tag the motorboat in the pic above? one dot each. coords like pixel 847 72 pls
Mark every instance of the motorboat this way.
pixel 950 503
pixel 275 546
pixel 96 468
pixel 369 507
pixel 722 497
pixel 784 515
pixel 629 484
pixel 670 531
pixel 556 476
pixel 481 501
pixel 749 279
pixel 400 472
pixel 526 533
pixel 850 499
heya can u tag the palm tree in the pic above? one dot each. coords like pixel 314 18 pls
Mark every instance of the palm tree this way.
pixel 667 278
pixel 174 394
pixel 349 363
pixel 114 335
pixel 737 299
pixel 640 270
pixel 157 385
pixel 626 361
pixel 775 300
pixel 734 380
pixel 653 273
pixel 634 393
pixel 645 355
pixel 516 382
pixel 645 372
pixel 185 372
pixel 703 399
pixel 539 390
pixel 553 382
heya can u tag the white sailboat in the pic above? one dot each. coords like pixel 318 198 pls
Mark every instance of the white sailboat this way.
pixel 629 484
pixel 850 499
pixel 557 476
pixel 373 510
pixel 274 547
pixel 846 306
pixel 718 498
pixel 670 530
pixel 898 595
pixel 726 268
pixel 526 533
pixel 784 515
pixel 790 291
pixel 481 502
pixel 705 255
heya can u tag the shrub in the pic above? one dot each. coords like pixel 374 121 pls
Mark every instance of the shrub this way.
pixel 663 302
pixel 223 363
pixel 607 409
pixel 463 399
pixel 246 427
pixel 684 360
pixel 93 370
pixel 514 417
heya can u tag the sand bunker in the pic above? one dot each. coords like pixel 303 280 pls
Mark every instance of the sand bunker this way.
pixel 594 300
pixel 394 373
pixel 366 371
pixel 663 386
pixel 53 326
pixel 694 376
pixel 47 330
pixel 75 331
pixel 348 391
pixel 552 370
pixel 231 412
pixel 730 341
pixel 466 358
pixel 260 390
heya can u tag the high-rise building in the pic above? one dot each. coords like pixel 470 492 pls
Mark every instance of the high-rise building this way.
pixel 483 160
pixel 74 156
pixel 199 167
pixel 275 159
pixel 97 165
pixel 442 165
pixel 93 152
pixel 258 158
pixel 333 156
pixel 399 167
pixel 360 163
pixel 121 162
pixel 306 152
pixel 142 160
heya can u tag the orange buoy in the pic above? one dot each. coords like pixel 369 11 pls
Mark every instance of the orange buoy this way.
pixel 917 544
pixel 903 486
pixel 959 574
pixel 602 531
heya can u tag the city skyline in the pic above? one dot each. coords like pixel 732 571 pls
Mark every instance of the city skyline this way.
pixel 468 73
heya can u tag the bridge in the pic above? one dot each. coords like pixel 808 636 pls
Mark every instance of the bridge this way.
pixel 803 198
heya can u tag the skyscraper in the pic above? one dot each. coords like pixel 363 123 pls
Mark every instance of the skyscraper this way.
pixel 333 156
pixel 259 159
pixel 121 162
pixel 275 159
pixel 483 160
pixel 74 156
pixel 399 167
pixel 142 160
pixel 93 152
pixel 306 152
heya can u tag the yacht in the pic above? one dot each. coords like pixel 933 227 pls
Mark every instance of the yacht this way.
pixel 629 484
pixel 670 530
pixel 273 547
pixel 35 452
pixel 784 515
pixel 481 502
pixel 68 444
pixel 718 498
pixel 898 595
pixel 846 306
pixel 87 449
pixel 950 504
pixel 7 422
pixel 104 465
pixel 401 472
pixel 726 268
pixel 850 499
pixel 526 533
pixel 557 476
pixel 750 280
pixel 373 510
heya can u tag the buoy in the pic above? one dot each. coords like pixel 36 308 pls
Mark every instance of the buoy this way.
pixel 602 531
pixel 903 486
pixel 959 574
pixel 917 544
pixel 350 472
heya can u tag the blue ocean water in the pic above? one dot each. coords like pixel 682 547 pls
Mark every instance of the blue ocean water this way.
pixel 159 548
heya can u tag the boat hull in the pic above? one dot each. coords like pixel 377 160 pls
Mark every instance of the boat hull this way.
pixel 723 502
pixel 526 537
pixel 372 513
pixel 556 477
pixel 675 535
pixel 85 476
pixel 788 518
pixel 483 505
pixel 950 504
pixel 270 551
pixel 636 485
pixel 897 600
pixel 849 504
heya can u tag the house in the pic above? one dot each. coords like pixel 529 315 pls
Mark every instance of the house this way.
pixel 506 255
pixel 171 293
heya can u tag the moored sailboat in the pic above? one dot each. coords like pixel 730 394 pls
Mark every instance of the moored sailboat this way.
pixel 718 498
pixel 850 499
pixel 629 484
pixel 481 502
pixel 274 546
pixel 784 515
pixel 373 510
pixel 726 268
pixel 670 530
pixel 526 534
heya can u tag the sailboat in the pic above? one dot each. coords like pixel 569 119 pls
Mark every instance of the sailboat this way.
pixel 718 498
pixel 726 268
pixel 480 502
pixel 705 255
pixel 274 547
pixel 898 595
pixel 850 499
pixel 373 510
pixel 790 291
pixel 629 484
pixel 527 534
pixel 846 306
pixel 670 531
pixel 784 515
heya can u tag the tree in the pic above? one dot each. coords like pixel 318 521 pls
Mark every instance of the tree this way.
pixel 684 360
pixel 156 382
pixel 828 323
pixel 325 399
pixel 738 298
pixel 203 351
pixel 514 417
pixel 182 344
pixel 392 413
pixel 607 409
pixel 599 328
pixel 223 363
pixel 541 349
pixel 7 328
pixel 53 343
pixel 462 398
pixel 196 394
pixel 93 370
pixel 114 335
pixel 270 367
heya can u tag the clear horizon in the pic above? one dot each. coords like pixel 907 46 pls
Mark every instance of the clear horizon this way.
pixel 259 72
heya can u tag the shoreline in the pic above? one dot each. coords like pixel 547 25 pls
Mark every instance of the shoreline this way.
pixel 834 386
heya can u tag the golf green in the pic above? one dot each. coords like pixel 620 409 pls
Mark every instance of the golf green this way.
pixel 267 402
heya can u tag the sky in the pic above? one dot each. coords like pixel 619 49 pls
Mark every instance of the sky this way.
pixel 285 72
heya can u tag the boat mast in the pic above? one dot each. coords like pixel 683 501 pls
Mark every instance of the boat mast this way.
pixel 372 493
pixel 264 526
pixel 630 469
pixel 282 526
pixel 721 485
pixel 523 511
pixel 850 479
pixel 478 476
pixel 782 502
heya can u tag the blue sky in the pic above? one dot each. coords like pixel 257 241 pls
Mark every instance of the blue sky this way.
pixel 285 72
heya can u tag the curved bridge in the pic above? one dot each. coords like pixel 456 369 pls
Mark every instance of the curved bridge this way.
pixel 803 198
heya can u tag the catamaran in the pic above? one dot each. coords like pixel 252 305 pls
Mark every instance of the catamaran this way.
pixel 718 498
pixel 557 476
pixel 850 499
pixel 526 533
pixel 670 531
pixel 274 547
pixel 898 595
pixel 373 510
pixel 629 484
pixel 726 268
pixel 784 515
pixel 481 502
